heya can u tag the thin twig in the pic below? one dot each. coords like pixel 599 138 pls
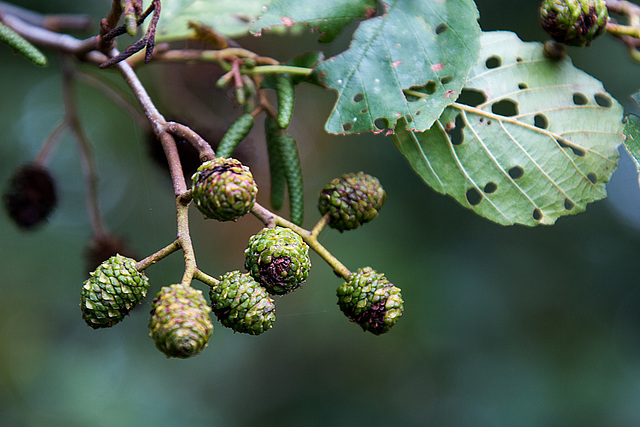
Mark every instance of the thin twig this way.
pixel 324 221
pixel 623 30
pixel 623 7
pixel 56 22
pixel 50 143
pixel 184 236
pixel 175 167
pixel 157 256
pixel 148 41
pixel 204 148
pixel 118 31
pixel 86 153
pixel 223 57
pixel 157 121
pixel 205 278
pixel 286 69
pixel 60 42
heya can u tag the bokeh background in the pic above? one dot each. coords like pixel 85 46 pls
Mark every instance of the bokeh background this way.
pixel 503 326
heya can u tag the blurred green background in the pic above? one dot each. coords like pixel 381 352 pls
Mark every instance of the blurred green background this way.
pixel 503 326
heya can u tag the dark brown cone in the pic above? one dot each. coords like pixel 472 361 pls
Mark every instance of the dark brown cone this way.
pixel 31 196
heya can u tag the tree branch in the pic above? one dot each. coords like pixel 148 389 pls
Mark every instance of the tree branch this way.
pixel 86 153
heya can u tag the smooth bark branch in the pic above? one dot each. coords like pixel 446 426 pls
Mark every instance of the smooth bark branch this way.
pixel 52 40
pixel 175 167
pixel 56 22
pixel 204 148
pixel 86 153
pixel 623 7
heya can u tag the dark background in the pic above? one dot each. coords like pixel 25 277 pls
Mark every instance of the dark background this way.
pixel 503 326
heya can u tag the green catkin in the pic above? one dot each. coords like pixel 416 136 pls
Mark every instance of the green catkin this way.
pixel 241 95
pixel 276 168
pixel 286 98
pixel 224 80
pixel 16 42
pixel 293 174
pixel 236 133
pixel 131 22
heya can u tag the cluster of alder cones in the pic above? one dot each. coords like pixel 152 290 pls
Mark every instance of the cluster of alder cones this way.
pixel 276 263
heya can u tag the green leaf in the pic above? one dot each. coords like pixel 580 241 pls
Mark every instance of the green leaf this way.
pixel 537 140
pixel 632 137
pixel 428 45
pixel 329 17
pixel 231 18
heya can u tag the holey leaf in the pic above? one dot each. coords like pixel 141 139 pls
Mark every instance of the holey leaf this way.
pixel 427 45
pixel 529 140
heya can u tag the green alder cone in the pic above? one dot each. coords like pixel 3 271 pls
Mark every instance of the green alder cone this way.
pixel 351 200
pixel 240 303
pixel 224 189
pixel 113 289
pixel 574 22
pixel 370 300
pixel 180 325
pixel 278 259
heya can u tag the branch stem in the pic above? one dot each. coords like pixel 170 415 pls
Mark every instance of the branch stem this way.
pixel 623 30
pixel 175 167
pixel 205 278
pixel 155 257
pixel 287 69
pixel 204 148
pixel 324 221
pixel 622 7
pixel 157 121
pixel 86 153
pixel 50 143
pixel 190 267
pixel 50 22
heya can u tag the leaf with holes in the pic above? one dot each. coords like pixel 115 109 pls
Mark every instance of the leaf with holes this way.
pixel 329 17
pixel 231 18
pixel 427 45
pixel 528 141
